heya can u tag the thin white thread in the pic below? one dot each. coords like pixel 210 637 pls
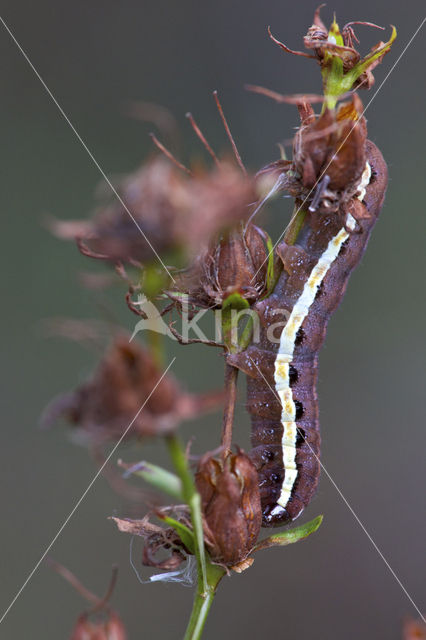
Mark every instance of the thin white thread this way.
pixel 80 500
pixel 347 504
pixel 184 575
pixel 85 147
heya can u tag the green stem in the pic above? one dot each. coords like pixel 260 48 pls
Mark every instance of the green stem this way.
pixel 193 500
pixel 156 343
pixel 333 82
pixel 203 602
pixel 209 575
pixel 228 329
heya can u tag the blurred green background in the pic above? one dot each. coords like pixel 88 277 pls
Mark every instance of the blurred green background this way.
pixel 96 57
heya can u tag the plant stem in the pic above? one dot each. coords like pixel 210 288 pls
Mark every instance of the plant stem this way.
pixel 193 500
pixel 208 574
pixel 203 602
pixel 156 343
pixel 231 375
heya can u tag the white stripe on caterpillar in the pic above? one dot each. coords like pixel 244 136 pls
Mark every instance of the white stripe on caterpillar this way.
pixel 287 344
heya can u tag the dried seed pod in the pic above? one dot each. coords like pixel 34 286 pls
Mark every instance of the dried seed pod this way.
pixel 328 158
pixel 155 197
pixel 329 45
pixel 218 200
pixel 111 628
pixel 177 213
pixel 231 506
pixel 123 382
pixel 238 263
pixel 334 146
pixel 414 630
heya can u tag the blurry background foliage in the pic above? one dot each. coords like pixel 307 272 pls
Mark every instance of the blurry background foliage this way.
pixel 96 57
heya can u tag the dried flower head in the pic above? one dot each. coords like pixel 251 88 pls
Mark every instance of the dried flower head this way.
pixel 231 506
pixel 176 212
pixel 342 66
pixel 109 629
pixel 123 382
pixel 100 622
pixel 218 200
pixel 237 263
pixel 155 196
pixel 414 630
pixel 157 541
pixel 329 156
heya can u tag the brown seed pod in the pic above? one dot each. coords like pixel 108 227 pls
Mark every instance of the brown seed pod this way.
pixel 414 630
pixel 328 157
pixel 231 506
pixel 176 212
pixel 123 382
pixel 238 263
pixel 111 628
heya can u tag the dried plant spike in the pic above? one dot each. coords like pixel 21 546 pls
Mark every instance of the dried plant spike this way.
pixel 287 49
pixel 306 112
pixel 228 133
pixel 169 155
pixel 201 136
pixel 297 98
pixel 365 24
pixel 86 251
pixel 317 20
pixel 153 113
pixel 110 590
pixel 73 581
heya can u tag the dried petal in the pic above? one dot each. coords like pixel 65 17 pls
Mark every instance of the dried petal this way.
pixel 157 540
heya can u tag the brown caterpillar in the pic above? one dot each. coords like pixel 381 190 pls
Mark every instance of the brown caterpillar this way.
pixel 282 369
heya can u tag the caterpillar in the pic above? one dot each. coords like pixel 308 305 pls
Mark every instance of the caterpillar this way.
pixel 282 366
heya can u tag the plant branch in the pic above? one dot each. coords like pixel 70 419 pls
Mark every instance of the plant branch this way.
pixel 231 375
pixel 203 602
pixel 73 581
pixel 209 574
pixel 193 500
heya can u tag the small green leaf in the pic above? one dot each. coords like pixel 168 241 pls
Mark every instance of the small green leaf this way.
pixel 184 533
pixel 231 306
pixel 158 477
pixel 270 272
pixel 366 62
pixel 246 334
pixel 290 536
